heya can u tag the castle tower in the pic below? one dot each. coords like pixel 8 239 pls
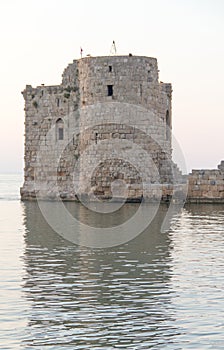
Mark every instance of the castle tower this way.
pixel 105 131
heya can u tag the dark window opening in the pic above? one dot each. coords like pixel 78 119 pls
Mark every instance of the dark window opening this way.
pixel 141 90
pixel 110 68
pixel 168 126
pixel 110 90
pixel 96 137
pixel 59 129
pixel 58 102
pixel 60 133
pixel 150 79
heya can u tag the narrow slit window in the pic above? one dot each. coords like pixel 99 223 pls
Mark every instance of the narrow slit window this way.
pixel 59 129
pixel 168 126
pixel 96 137
pixel 141 90
pixel 110 68
pixel 60 133
pixel 58 102
pixel 110 90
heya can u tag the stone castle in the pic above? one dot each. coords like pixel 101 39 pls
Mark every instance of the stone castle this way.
pixel 104 133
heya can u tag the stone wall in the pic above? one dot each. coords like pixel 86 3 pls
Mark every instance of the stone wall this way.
pixel 109 120
pixel 128 128
pixel 206 185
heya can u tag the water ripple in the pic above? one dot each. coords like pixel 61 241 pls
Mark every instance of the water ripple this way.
pixel 159 291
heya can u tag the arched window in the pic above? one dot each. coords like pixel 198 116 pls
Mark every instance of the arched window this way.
pixel 59 129
pixel 168 125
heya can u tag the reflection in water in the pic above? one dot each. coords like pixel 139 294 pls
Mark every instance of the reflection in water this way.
pixel 97 298
pixel 85 227
pixel 160 290
pixel 198 265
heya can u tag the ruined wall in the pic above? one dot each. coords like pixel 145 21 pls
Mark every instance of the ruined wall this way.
pixel 206 185
pixel 48 109
pixel 106 108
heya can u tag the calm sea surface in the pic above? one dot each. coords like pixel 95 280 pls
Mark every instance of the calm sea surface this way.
pixel 157 291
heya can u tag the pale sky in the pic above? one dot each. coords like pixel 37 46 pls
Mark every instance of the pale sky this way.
pixel 39 39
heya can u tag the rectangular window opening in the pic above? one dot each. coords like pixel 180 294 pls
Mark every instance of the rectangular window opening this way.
pixel 110 68
pixel 110 90
pixel 60 133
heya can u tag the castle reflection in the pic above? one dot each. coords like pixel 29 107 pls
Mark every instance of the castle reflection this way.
pixel 97 298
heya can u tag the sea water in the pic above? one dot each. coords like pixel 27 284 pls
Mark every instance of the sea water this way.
pixel 159 290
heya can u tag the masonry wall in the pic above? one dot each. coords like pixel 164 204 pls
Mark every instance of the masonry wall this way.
pixel 206 185
pixel 72 130
pixel 124 127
